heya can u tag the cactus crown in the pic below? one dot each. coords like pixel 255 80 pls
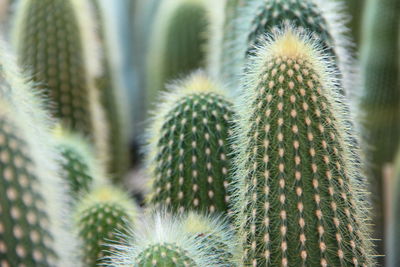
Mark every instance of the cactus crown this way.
pixel 298 198
pixel 165 237
pixel 188 153
pixel 100 215
pixel 29 169
pixel 79 165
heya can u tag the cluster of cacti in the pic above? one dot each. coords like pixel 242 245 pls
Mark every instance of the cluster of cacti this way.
pixel 176 241
pixel 252 155
pixel 189 152
pixel 380 101
pixel 101 215
pixel 31 228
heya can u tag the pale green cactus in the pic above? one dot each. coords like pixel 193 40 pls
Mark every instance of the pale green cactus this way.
pixel 393 238
pixel 32 193
pixel 187 240
pixel 189 156
pixel 100 216
pixel 298 195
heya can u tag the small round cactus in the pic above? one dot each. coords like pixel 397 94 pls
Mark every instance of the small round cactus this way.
pixel 169 241
pixel 80 168
pixel 189 154
pixel 101 215
pixel 32 229
pixel 298 195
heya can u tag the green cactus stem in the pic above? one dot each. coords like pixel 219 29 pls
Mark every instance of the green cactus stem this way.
pixel 31 192
pixel 80 168
pixel 169 241
pixel 177 45
pixel 393 230
pixel 298 196
pixel 101 215
pixel 188 155
pixel 112 102
pixel 380 100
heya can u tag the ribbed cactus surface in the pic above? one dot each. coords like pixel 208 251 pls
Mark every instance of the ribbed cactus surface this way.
pixel 80 168
pixel 49 41
pixel 24 237
pixel 163 240
pixel 189 154
pixel 298 198
pixel 178 42
pixel 101 216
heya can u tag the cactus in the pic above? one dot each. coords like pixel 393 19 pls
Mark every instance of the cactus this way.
pixel 100 216
pixel 188 153
pixel 393 237
pixel 55 41
pixel 168 241
pixel 177 42
pixel 31 192
pixel 111 101
pixel 380 100
pixel 80 167
pixel 324 20
pixel 298 196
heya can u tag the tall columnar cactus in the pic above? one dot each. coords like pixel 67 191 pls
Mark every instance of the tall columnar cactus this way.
pixel 381 97
pixel 324 19
pixel 31 192
pixel 54 39
pixel 167 241
pixel 177 45
pixel 112 101
pixel 299 200
pixel 189 155
pixel 80 168
pixel 101 215
pixel 393 238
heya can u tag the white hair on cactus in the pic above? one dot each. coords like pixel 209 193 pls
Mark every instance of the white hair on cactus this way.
pixel 291 43
pixel 28 107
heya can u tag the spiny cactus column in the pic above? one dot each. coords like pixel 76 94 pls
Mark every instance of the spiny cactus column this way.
pixel 112 103
pixel 164 241
pixel 298 198
pixel 49 40
pixel 177 45
pixel 80 168
pixel 308 15
pixel 189 155
pixel 381 97
pixel 101 215
pixel 31 195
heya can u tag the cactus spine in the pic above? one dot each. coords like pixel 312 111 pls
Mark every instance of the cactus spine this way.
pixel 100 216
pixel 381 98
pixel 111 101
pixel 298 197
pixel 170 241
pixel 189 156
pixel 31 226
pixel 79 166
pixel 177 44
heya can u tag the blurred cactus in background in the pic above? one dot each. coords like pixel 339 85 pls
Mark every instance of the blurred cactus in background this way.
pixel 380 102
pixel 31 192
pixel 393 248
pixel 79 166
pixel 101 215
pixel 298 199
pixel 189 156
pixel 178 43
pixel 55 41
pixel 163 240
pixel 111 100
